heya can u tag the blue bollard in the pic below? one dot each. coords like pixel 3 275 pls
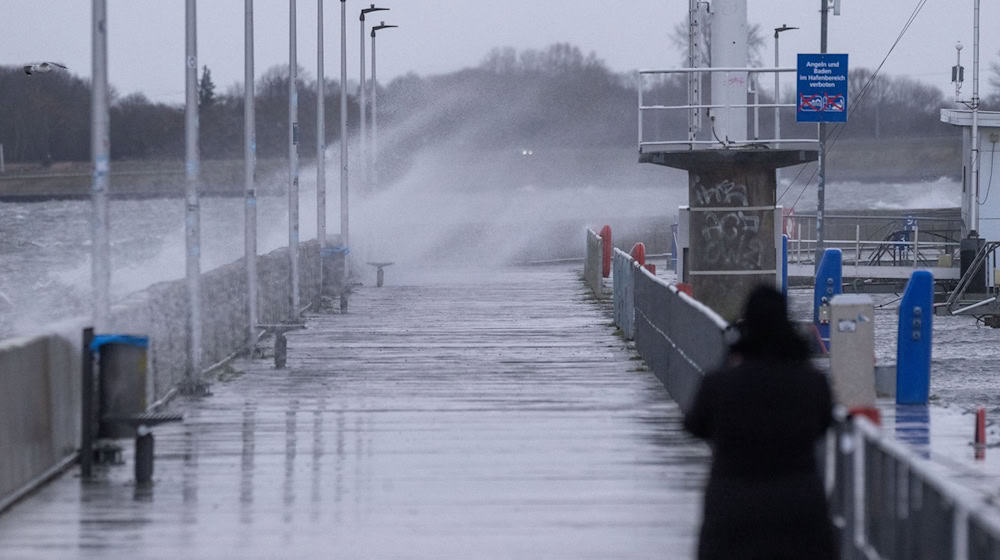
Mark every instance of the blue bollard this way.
pixel 784 265
pixel 913 347
pixel 829 280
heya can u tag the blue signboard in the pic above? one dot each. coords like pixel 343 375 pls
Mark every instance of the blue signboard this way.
pixel 821 88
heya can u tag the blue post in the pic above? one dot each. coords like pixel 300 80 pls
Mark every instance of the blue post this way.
pixel 913 347
pixel 828 284
pixel 784 265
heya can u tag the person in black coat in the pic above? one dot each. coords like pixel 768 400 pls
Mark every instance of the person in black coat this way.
pixel 762 413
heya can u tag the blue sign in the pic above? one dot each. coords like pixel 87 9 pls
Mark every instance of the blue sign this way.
pixel 821 88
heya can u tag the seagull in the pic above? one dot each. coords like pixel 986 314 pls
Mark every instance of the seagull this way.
pixel 42 67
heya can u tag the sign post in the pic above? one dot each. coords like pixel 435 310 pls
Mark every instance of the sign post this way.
pixel 821 88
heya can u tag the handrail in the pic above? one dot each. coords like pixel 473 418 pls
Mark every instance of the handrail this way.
pixel 695 112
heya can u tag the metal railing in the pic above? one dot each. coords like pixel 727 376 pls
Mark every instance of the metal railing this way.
pixel 888 503
pixel 679 338
pixel 694 112
pixel 901 246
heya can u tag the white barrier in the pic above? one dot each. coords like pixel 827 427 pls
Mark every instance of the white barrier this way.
pixel 592 265
pixel 623 269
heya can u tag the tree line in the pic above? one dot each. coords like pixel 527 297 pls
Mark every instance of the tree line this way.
pixel 553 96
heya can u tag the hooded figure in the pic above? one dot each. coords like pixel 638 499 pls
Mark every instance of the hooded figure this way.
pixel 763 413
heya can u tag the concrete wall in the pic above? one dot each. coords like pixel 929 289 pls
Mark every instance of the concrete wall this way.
pixel 160 310
pixel 40 377
pixel 39 409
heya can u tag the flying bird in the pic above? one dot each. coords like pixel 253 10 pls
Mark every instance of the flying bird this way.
pixel 42 67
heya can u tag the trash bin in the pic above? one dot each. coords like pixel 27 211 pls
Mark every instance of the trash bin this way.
pixel 122 378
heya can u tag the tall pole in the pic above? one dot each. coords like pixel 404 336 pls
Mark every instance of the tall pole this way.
pixel 974 209
pixel 249 175
pixel 192 215
pixel 361 106
pixel 777 89
pixel 344 204
pixel 361 102
pixel 320 140
pixel 100 147
pixel 293 169
pixel 821 184
pixel 374 145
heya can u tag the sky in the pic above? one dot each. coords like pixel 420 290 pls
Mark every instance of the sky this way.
pixel 146 37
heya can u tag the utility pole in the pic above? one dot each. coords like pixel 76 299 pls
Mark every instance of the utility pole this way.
pixel 821 184
pixel 192 214
pixel 344 192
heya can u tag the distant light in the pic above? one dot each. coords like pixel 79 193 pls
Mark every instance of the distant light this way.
pixel 527 152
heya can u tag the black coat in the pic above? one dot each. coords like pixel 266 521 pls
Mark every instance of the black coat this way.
pixel 764 498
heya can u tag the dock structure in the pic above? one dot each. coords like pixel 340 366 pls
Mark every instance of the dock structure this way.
pixel 460 414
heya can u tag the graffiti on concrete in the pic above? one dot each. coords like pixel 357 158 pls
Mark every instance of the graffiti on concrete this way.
pixel 725 193
pixel 731 240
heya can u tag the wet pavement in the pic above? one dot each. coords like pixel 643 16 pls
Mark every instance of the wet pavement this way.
pixel 461 415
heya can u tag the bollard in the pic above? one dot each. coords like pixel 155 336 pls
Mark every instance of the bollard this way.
pixel 280 350
pixel 829 280
pixel 143 455
pixel 606 248
pixel 379 272
pixel 980 434
pixel 913 347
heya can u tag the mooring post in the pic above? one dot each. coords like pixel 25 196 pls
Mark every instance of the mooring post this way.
pixel 143 455
pixel 829 281
pixel 913 346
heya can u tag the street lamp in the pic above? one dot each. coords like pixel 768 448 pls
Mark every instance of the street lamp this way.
pixel 374 179
pixel 777 84
pixel 320 142
pixel 293 169
pixel 364 125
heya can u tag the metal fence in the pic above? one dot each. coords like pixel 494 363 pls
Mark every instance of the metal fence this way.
pixel 679 338
pixel 592 273
pixel 888 503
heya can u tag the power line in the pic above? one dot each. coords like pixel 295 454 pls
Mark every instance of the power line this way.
pixel 839 129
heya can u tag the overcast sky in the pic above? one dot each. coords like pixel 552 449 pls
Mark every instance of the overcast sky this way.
pixel 437 36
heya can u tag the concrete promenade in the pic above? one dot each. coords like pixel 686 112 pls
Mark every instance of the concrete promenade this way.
pixel 448 415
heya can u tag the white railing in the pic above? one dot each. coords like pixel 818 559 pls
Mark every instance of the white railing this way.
pixel 694 112
pixel 889 503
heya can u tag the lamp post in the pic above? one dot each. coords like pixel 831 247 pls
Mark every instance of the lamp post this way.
pixel 293 169
pixel 100 147
pixel 362 102
pixel 249 175
pixel 777 83
pixel 320 142
pixel 192 213
pixel 374 177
